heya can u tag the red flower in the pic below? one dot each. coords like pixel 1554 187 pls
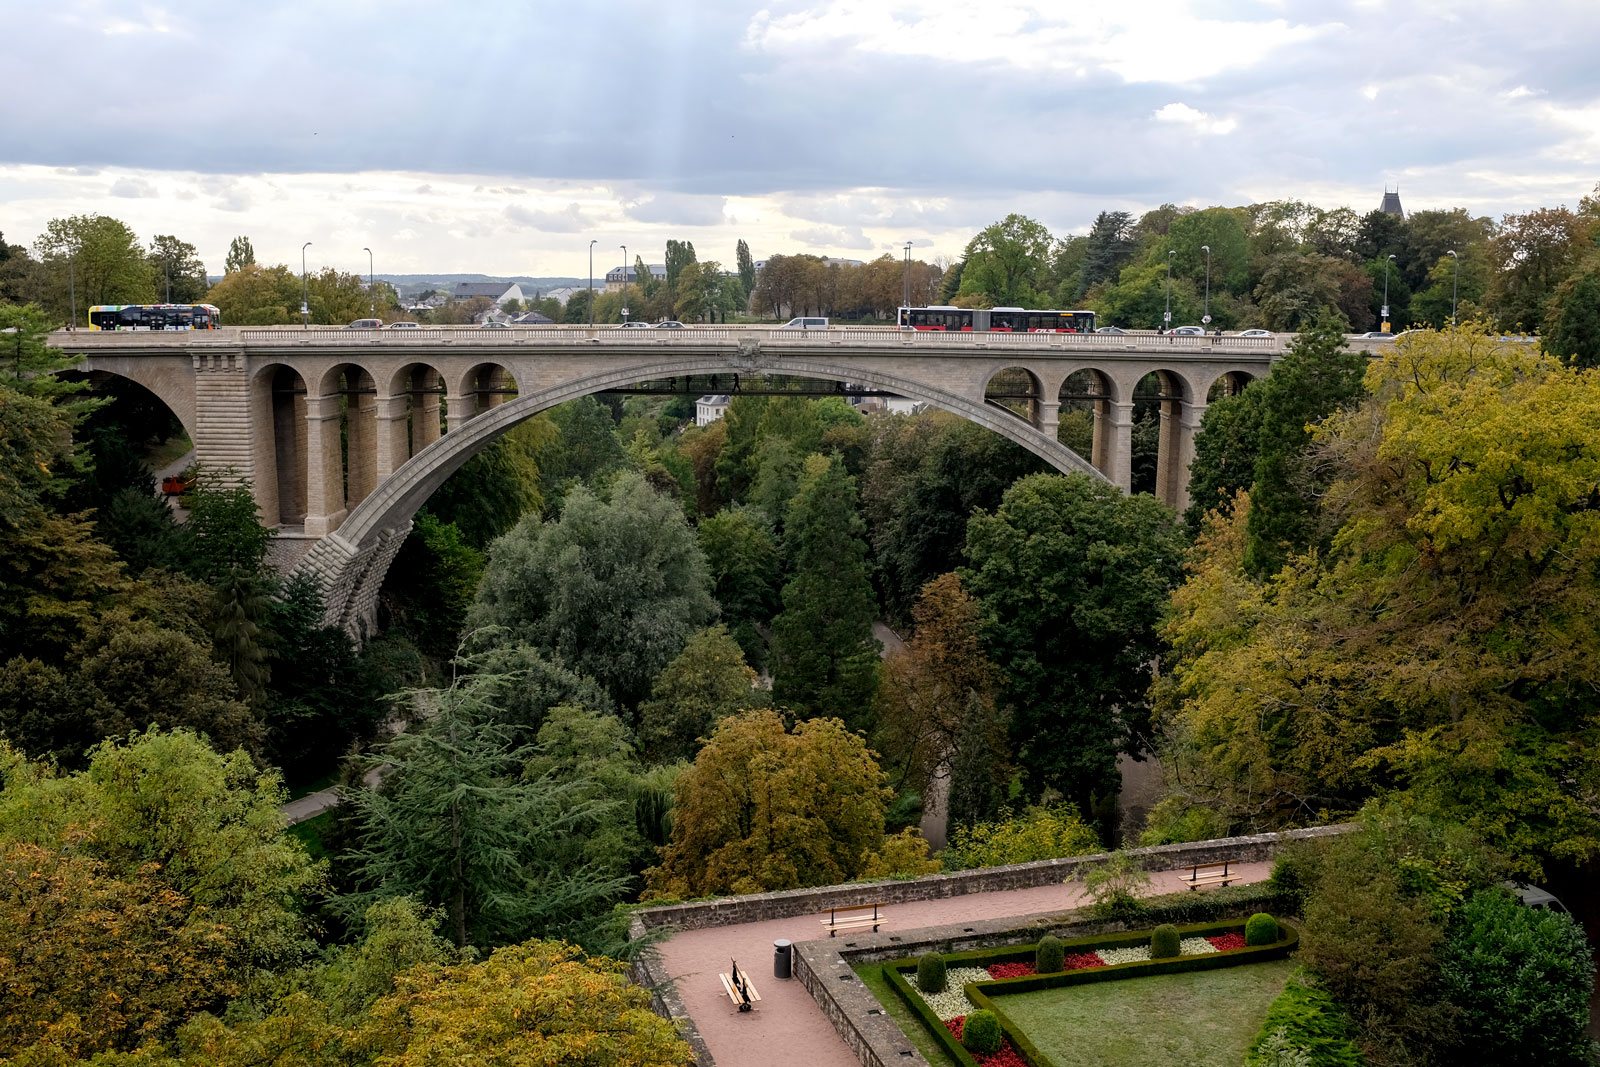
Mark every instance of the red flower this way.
pixel 954 1025
pixel 1077 961
pixel 1010 970
pixel 1008 1056
pixel 1225 942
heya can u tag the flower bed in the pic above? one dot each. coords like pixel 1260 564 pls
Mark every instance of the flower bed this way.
pixel 975 979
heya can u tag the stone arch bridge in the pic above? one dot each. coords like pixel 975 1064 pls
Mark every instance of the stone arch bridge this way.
pixel 344 434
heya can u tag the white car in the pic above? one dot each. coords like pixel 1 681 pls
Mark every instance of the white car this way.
pixel 1189 331
pixel 633 324
pixel 1254 333
pixel 403 326
pixel 805 323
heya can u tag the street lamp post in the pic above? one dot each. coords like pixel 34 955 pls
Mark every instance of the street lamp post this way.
pixel 624 282
pixel 1385 326
pixel 305 300
pixel 372 286
pixel 1206 316
pixel 1455 287
pixel 591 280
pixel 1166 318
pixel 166 270
pixel 72 289
pixel 905 300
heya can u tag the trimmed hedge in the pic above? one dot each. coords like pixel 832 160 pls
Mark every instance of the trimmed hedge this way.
pixel 895 971
pixel 930 973
pixel 980 1033
pixel 1164 942
pixel 1049 956
pixel 1260 929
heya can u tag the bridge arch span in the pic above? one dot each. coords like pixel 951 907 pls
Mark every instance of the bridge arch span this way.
pixel 353 560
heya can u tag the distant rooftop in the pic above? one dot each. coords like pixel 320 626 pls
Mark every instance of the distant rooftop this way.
pixel 1391 204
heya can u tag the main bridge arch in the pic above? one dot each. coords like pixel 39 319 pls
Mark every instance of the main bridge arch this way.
pixel 351 562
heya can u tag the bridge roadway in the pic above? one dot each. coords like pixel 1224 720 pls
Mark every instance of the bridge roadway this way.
pixel 343 434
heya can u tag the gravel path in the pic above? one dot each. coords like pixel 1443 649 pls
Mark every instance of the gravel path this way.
pixel 787 1026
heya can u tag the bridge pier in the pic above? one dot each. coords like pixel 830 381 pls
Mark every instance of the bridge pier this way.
pixel 325 508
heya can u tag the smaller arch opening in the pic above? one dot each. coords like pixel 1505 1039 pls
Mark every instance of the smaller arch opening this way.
pixel 487 386
pixel 1230 384
pixel 420 419
pixel 1085 420
pixel 358 424
pixel 1017 390
pixel 1158 466
pixel 289 444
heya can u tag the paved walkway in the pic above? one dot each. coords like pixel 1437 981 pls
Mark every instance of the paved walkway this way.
pixel 787 1026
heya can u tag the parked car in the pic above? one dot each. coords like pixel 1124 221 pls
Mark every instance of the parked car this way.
pixel 1189 331
pixel 633 325
pixel 1111 329
pixel 1255 333
pixel 670 324
pixel 1536 898
pixel 1375 335
pixel 805 323
pixel 490 324
pixel 403 326
pixel 365 324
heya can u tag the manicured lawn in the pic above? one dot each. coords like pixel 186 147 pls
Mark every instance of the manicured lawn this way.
pixel 871 974
pixel 1199 1019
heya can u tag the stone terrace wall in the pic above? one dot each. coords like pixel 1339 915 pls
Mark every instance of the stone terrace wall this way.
pixel 758 907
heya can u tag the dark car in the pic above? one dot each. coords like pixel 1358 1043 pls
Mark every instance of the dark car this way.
pixel 671 324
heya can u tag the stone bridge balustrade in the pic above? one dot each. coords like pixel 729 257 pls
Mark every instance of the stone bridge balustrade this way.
pixel 344 434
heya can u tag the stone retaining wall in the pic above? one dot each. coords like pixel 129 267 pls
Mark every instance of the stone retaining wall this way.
pixel 758 907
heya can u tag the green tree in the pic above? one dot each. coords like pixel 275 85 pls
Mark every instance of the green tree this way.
pixel 1532 255
pixel 824 657
pixel 1007 264
pixel 1108 248
pixel 679 255
pixel 587 448
pixel 764 808
pixel 1073 577
pixel 499 484
pixel 1225 452
pixel 747 267
pixel 742 557
pixel 612 589
pixel 1041 833
pixel 257 296
pixel 104 258
pixel 708 681
pixel 589 756
pixel 1572 321
pixel 177 271
pixel 454 826
pixel 240 254
pixel 980 770
pixel 210 823
pixel 443 572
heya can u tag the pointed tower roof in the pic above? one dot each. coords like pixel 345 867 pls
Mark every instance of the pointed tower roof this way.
pixel 1391 204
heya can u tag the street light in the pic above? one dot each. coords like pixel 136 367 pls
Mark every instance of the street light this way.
pixel 624 283
pixel 166 270
pixel 591 280
pixel 906 299
pixel 1166 318
pixel 305 300
pixel 72 289
pixel 1386 292
pixel 372 286
pixel 1206 317
pixel 1455 287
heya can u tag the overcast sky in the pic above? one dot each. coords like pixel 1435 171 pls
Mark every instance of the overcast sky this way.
pixel 501 137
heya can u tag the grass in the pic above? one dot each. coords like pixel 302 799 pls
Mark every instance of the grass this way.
pixel 309 833
pixel 871 975
pixel 167 451
pixel 316 785
pixel 1200 1019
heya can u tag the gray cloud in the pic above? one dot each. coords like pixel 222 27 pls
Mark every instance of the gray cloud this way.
pixel 568 220
pixel 132 188
pixel 677 209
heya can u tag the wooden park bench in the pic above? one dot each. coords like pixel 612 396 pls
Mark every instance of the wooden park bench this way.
pixel 740 991
pixel 834 923
pixel 1209 874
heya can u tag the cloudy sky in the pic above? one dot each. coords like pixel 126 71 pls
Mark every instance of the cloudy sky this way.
pixel 501 137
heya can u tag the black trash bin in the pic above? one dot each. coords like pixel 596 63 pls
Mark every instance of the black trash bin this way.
pixel 782 958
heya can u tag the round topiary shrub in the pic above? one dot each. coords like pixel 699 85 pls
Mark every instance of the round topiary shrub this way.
pixel 930 973
pixel 1164 942
pixel 1048 956
pixel 980 1034
pixel 1260 929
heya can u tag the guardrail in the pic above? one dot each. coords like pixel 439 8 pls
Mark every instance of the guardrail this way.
pixel 853 337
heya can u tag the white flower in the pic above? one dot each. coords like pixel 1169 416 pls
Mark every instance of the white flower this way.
pixel 1114 956
pixel 953 1002
pixel 1195 946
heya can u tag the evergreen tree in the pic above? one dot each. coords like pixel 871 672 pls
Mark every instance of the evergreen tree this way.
pixel 825 659
pixel 979 772
pixel 1572 323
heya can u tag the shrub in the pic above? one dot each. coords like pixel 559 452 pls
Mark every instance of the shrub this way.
pixel 1043 833
pixel 1260 929
pixel 930 973
pixel 1115 886
pixel 1164 942
pixel 1048 956
pixel 980 1033
pixel 1294 872
pixel 1520 980
pixel 1308 1020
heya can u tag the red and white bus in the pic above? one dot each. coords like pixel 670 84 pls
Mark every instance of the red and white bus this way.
pixel 1002 320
